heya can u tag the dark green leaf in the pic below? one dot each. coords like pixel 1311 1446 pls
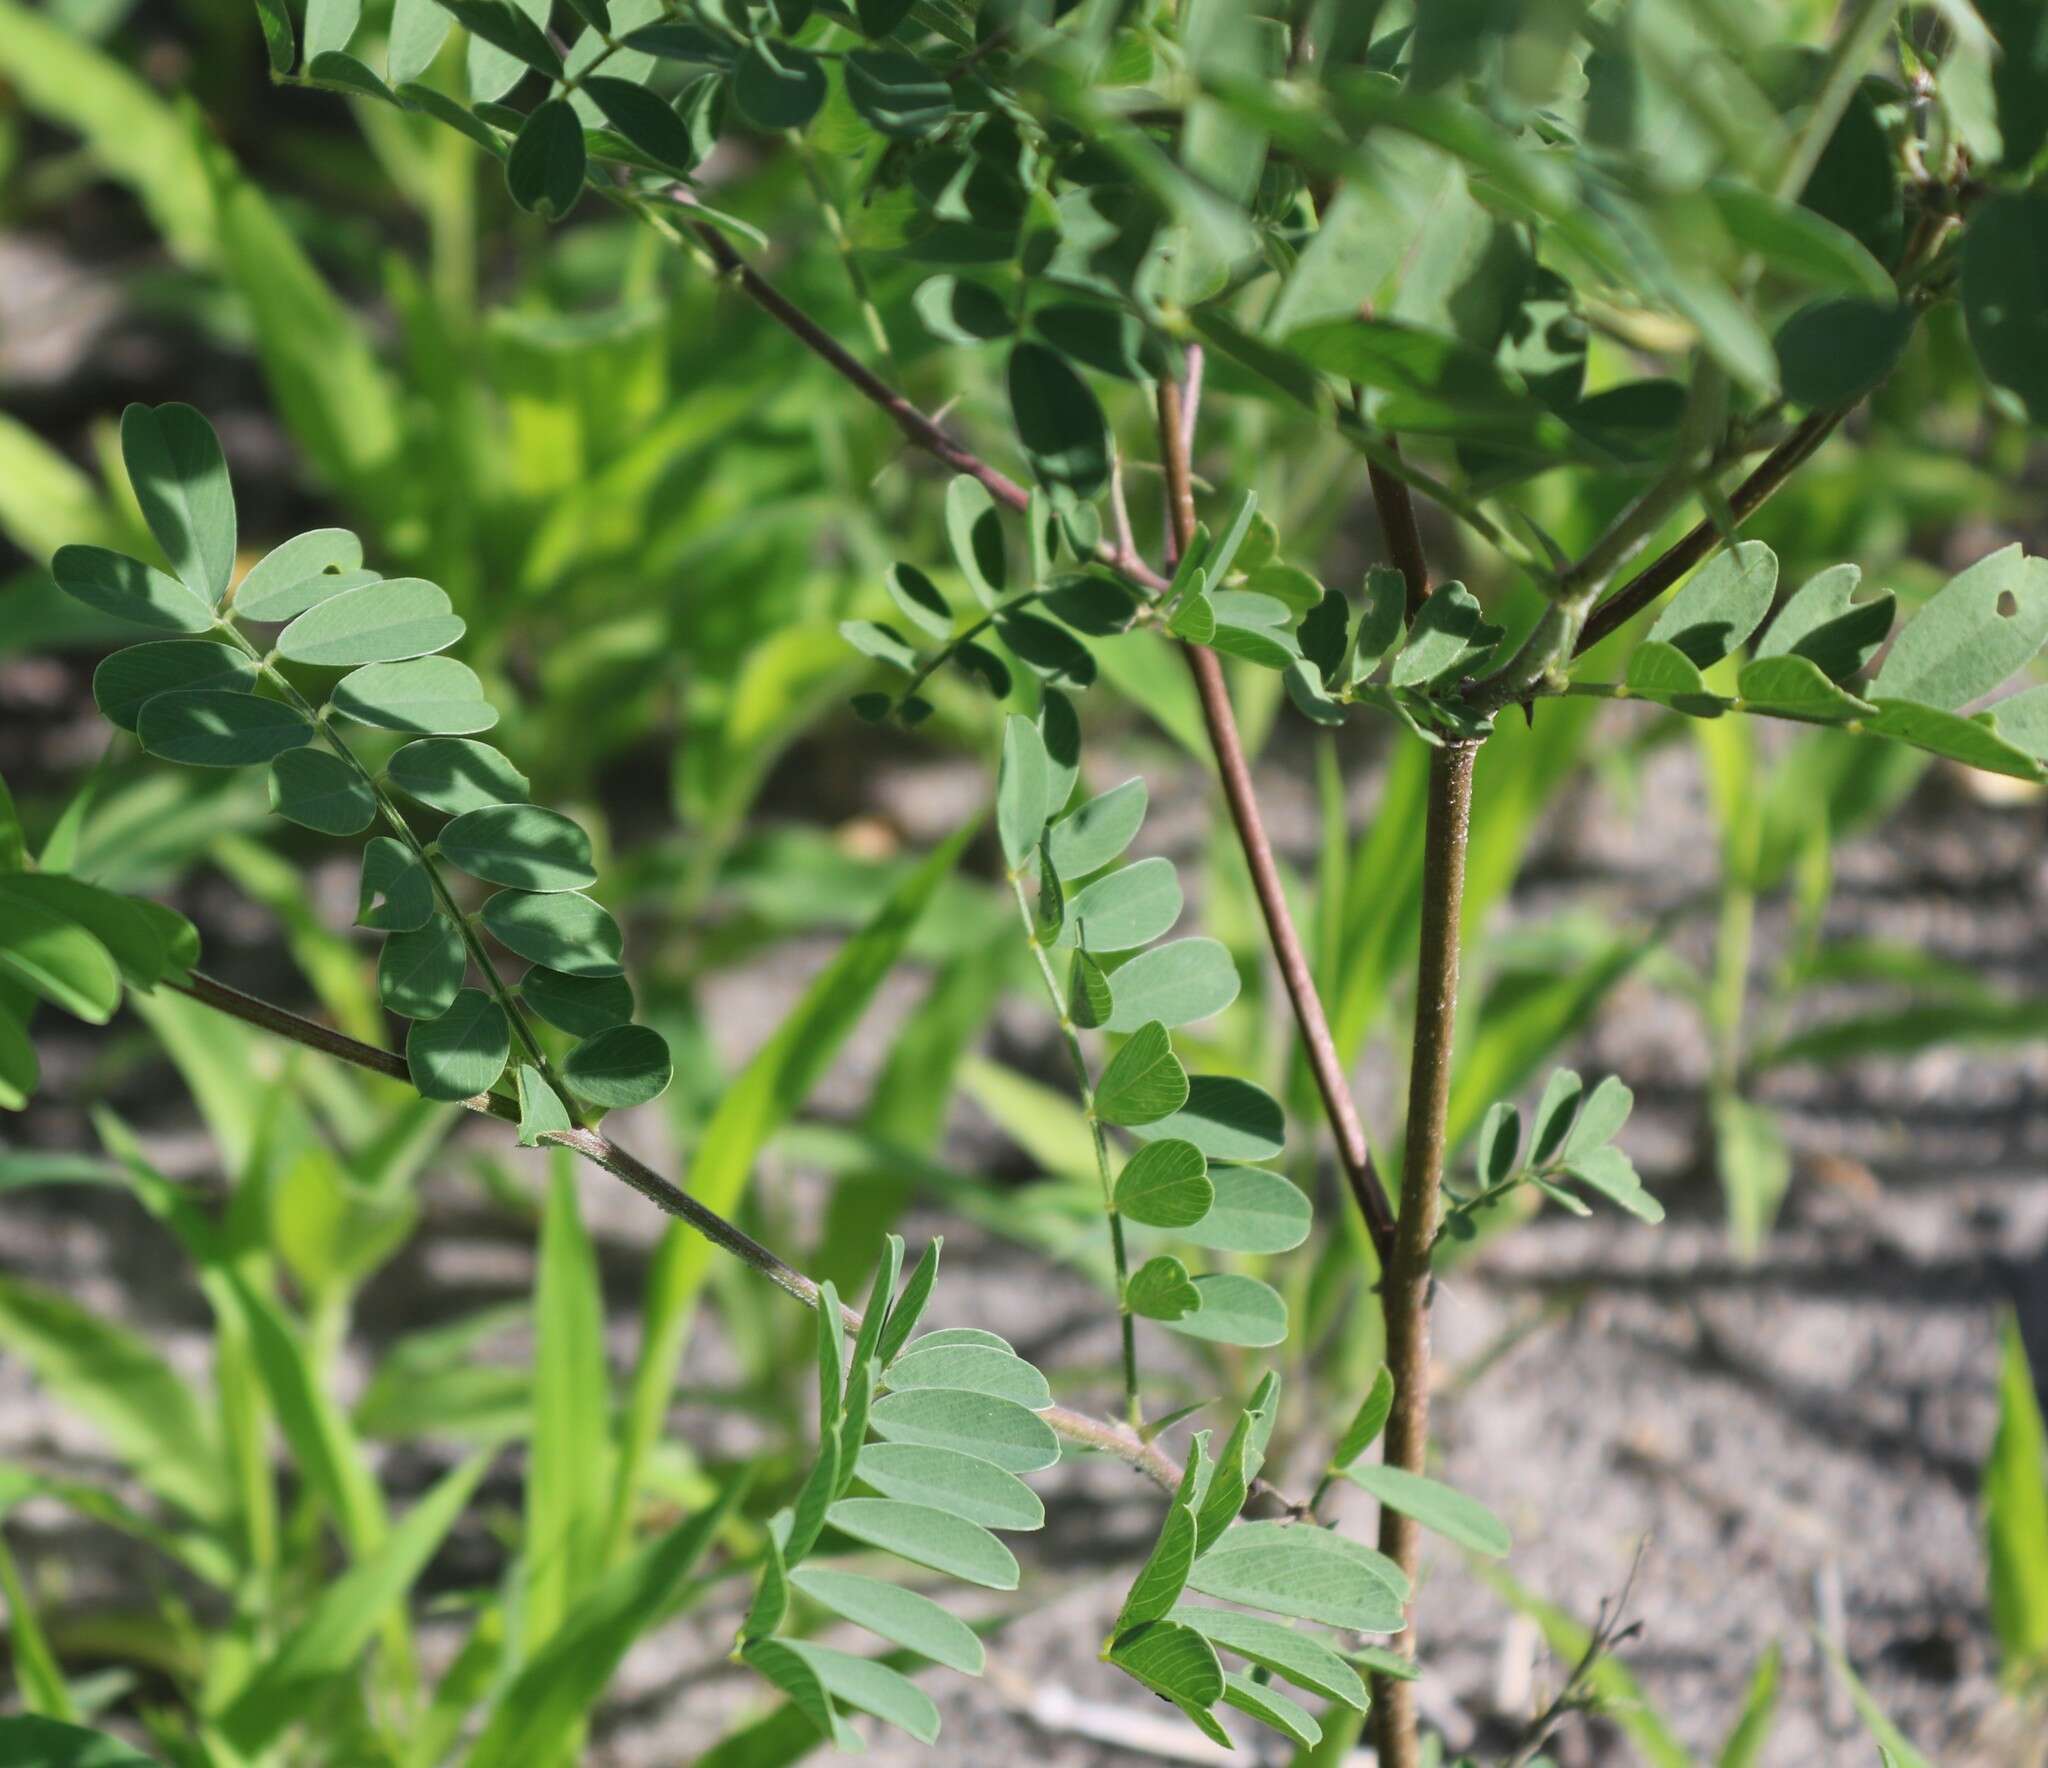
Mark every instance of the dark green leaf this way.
pixel 582 1006
pixel 2005 294
pixel 1058 421
pixel 1144 1080
pixel 626 1065
pixel 180 478
pixel 1049 651
pixel 393 872
pixel 1555 1114
pixel 461 1053
pixel 1173 1660
pixel 455 775
pixel 873 1688
pixel 510 29
pixel 879 17
pixel 1609 1171
pixel 544 170
pixel 1795 687
pixel 1287 1651
pixel 883 643
pixel 1947 734
pixel 644 120
pixel 1449 636
pixel 564 931
pixel 128 589
pixel 521 845
pixel 918 599
pixel 1500 1140
pixel 974 529
pixel 419 971
pixel 124 681
pixel 777 85
pixel 321 791
pixel 1270 1707
pixel 218 727
pixel 1660 671
pixel 896 94
pixel 1832 352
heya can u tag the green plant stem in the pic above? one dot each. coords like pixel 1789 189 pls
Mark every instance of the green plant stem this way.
pixel 1116 1440
pixel 1404 1288
pixel 1133 1406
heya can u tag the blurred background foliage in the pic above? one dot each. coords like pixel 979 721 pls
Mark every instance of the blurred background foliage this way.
pixel 654 513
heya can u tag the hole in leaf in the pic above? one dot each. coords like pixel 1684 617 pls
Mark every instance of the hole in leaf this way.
pixel 2008 604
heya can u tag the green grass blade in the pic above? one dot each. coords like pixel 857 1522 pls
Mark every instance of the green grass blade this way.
pixel 2016 1513
pixel 328 1641
pixel 543 1705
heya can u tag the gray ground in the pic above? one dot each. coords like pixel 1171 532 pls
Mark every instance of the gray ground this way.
pixel 1790 1441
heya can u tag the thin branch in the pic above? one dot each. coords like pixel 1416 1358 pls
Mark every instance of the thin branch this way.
pixel 915 425
pixel 1743 502
pixel 1396 508
pixel 1077 1427
pixel 1354 1152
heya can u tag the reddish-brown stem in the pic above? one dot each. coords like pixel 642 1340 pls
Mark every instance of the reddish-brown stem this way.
pixel 1404 1289
pixel 1390 496
pixel 1743 502
pixel 1353 1151
pixel 1124 1444
pixel 915 425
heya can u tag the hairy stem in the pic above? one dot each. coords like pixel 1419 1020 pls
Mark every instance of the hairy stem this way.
pixel 1354 1153
pixel 1404 1291
pixel 1116 1440
pixel 1084 1083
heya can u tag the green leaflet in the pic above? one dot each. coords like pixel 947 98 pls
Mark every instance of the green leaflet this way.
pixel 2003 272
pixel 563 930
pixel 180 479
pixel 545 168
pixel 1250 1211
pixel 434 695
pixel 1227 1118
pixel 899 1615
pixel 320 791
pixel 1462 1520
pixel 463 1052
pixel 872 1687
pixel 621 1066
pixel 1980 627
pixel 219 727
pixel 952 1480
pixel 1821 623
pixel 1144 1080
pixel 1233 1309
pixel 1299 1656
pixel 1088 837
pixel 1176 984
pixel 455 774
pixel 1165 1185
pixel 1160 1289
pixel 1058 421
pixel 383 622
pixel 521 845
pixel 777 85
pixel 1720 605
pixel 1125 909
pixel 419 970
pixel 126 681
pixel 998 1430
pixel 396 894
pixel 928 1537
pixel 582 1006
pixel 1313 1574
pixel 1022 799
pixel 128 589
pixel 977 1369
